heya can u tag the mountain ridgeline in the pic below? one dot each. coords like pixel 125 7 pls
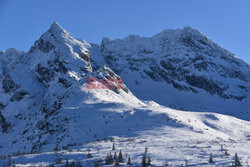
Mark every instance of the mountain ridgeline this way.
pixel 181 68
pixel 44 99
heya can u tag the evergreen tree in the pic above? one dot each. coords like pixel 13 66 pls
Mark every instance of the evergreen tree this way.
pixel 9 162
pixel 72 164
pixel 144 161
pixel 237 160
pixel 129 161
pixel 221 147
pixel 117 162
pixel 89 155
pixel 96 164
pixel 109 159
pixel 58 160
pixel 100 161
pixel 13 164
pixel 106 160
pixel 67 163
pixel 113 148
pixel 78 164
pixel 146 150
pixel 115 156
pixel 226 153
pixel 149 161
pixel 18 153
pixel 211 158
pixel 120 158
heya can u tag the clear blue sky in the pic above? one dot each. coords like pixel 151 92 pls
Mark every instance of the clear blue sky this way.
pixel 227 22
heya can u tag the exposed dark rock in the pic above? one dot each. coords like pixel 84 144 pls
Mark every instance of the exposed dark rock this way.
pixel 4 124
pixel 95 66
pixel 45 74
pixel 201 66
pixel 50 110
pixel 204 83
pixel 84 56
pixel 18 95
pixel 152 75
pixel 59 66
pixel 9 85
pixel 64 82
pixel 2 106
pixel 188 41
pixel 43 46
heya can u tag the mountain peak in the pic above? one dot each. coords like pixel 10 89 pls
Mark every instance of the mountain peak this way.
pixel 194 32
pixel 57 29
pixel 55 37
pixel 188 28
pixel 56 34
pixel 174 34
pixel 58 43
pixel 56 24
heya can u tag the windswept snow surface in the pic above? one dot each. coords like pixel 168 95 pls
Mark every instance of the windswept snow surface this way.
pixel 45 104
pixel 171 136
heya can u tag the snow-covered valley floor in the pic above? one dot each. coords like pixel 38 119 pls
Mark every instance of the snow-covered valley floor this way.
pixel 162 149
pixel 171 137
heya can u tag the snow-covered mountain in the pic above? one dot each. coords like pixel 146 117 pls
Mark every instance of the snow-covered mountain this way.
pixel 42 89
pixel 183 69
pixel 45 103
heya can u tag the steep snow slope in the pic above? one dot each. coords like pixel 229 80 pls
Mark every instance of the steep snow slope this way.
pixel 40 88
pixel 45 103
pixel 183 69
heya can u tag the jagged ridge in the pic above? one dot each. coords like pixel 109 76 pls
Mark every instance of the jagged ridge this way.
pixel 185 59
